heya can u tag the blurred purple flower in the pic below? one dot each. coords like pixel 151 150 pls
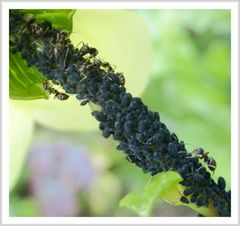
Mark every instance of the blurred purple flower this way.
pixel 58 172
pixel 56 199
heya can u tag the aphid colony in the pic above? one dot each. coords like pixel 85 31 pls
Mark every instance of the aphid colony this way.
pixel 62 58
pixel 141 135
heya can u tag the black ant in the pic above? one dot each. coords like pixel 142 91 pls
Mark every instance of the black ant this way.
pixel 201 154
pixel 51 90
pixel 85 49
pixel 107 66
pixel 58 45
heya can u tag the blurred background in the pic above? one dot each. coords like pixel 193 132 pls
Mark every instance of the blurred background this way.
pixel 82 174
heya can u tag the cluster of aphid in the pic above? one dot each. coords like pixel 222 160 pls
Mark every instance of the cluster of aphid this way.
pixel 141 135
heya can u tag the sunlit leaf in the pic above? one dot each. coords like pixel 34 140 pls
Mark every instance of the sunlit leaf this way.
pixel 164 186
pixel 60 115
pixel 25 83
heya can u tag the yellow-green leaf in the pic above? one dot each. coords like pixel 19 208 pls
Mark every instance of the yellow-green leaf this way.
pixel 164 186
pixel 25 83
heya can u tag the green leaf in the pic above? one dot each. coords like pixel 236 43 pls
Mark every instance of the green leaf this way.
pixel 23 207
pixel 60 18
pixel 73 117
pixel 164 186
pixel 25 83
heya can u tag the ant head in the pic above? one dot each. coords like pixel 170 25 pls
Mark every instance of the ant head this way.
pixel 199 151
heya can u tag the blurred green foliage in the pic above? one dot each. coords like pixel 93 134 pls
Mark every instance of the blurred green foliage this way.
pixel 189 86
pixel 191 81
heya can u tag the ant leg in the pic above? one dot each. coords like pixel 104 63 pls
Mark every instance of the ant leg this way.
pixel 199 168
pixel 82 80
pixel 192 157
pixel 65 58
pixel 80 43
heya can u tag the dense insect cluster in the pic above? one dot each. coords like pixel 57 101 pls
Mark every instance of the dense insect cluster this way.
pixel 141 135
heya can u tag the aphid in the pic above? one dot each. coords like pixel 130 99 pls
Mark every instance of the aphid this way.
pixel 184 200
pixel 121 78
pixel 199 178
pixel 221 183
pixel 143 125
pixel 201 202
pixel 118 125
pixel 188 191
pixel 106 133
pixel 84 102
pixel 193 199
pixel 128 127
pixel 57 94
pixel 174 136
pixel 172 148
pixel 100 116
pixel 182 170
pixel 223 211
pixel 126 100
pixel 102 125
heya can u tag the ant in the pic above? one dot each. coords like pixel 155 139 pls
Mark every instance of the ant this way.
pixel 85 49
pixel 51 90
pixel 58 45
pixel 107 66
pixel 210 161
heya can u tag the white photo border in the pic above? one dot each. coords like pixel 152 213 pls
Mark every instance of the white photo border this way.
pixel 233 6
